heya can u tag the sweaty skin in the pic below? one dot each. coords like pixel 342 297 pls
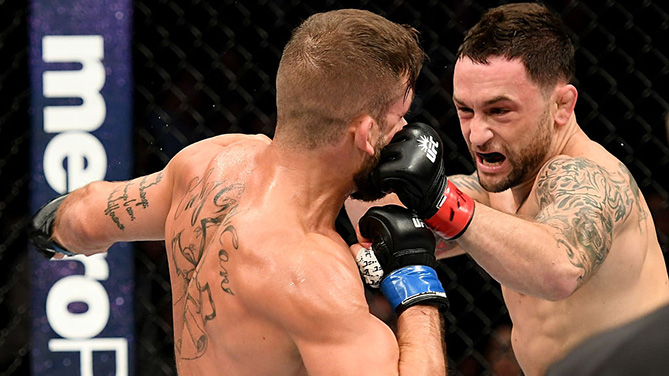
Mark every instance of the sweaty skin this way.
pixel 239 278
pixel 262 284
pixel 572 244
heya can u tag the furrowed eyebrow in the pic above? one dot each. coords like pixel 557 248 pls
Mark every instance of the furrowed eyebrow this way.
pixel 497 99
pixel 489 102
pixel 456 100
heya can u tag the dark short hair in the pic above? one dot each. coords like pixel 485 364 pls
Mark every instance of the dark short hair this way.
pixel 526 31
pixel 339 65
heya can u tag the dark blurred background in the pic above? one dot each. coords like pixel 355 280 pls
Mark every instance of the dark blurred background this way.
pixel 206 67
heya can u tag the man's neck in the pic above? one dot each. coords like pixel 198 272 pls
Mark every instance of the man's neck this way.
pixel 317 182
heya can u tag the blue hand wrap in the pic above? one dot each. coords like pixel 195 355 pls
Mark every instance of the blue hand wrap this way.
pixel 413 284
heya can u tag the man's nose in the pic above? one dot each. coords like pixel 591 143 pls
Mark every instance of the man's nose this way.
pixel 479 131
pixel 399 126
pixel 403 122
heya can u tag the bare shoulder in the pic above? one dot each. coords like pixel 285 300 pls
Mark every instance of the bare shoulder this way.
pixel 202 153
pixel 588 201
pixel 214 144
pixel 605 183
pixel 315 277
pixel 324 266
pixel 228 139
pixel 317 298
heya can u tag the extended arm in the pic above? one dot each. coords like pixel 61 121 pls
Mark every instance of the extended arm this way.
pixel 93 218
pixel 580 206
pixel 90 219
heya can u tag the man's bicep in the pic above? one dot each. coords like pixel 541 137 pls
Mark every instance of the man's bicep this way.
pixel 584 203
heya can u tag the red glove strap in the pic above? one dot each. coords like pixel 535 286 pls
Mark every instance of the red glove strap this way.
pixel 454 215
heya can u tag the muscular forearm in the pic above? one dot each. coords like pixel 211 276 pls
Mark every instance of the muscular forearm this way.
pixel 521 254
pixel 77 226
pixel 421 341
pixel 96 216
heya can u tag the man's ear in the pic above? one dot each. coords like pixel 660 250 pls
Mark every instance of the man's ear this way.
pixel 566 101
pixel 363 133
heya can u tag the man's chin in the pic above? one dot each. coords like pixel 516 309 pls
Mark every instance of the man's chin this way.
pixel 496 186
pixel 493 187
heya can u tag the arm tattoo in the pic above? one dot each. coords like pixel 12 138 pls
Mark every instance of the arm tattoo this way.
pixel 113 205
pixel 585 203
pixel 123 197
pixel 143 185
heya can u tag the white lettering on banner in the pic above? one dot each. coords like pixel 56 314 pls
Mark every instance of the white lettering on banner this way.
pixel 73 158
pixel 86 83
pixel 86 348
pixel 85 156
pixel 72 289
pixel 84 288
pixel 94 266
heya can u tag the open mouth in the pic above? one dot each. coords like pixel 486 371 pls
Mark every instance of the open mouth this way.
pixel 491 159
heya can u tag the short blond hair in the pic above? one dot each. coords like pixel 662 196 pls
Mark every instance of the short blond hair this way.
pixel 338 66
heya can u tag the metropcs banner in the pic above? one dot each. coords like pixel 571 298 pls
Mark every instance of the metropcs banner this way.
pixel 80 69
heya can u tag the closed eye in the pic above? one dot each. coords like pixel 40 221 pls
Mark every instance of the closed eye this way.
pixel 465 111
pixel 497 111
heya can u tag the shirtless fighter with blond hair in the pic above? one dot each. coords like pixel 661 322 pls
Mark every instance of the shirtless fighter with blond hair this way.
pixel 262 284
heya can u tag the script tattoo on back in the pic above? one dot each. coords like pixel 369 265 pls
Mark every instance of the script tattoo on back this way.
pixel 210 205
pixel 123 199
pixel 585 203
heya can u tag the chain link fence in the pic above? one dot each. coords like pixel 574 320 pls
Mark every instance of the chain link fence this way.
pixel 205 67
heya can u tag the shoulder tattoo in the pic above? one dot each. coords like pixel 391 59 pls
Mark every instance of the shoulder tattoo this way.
pixel 469 182
pixel 585 203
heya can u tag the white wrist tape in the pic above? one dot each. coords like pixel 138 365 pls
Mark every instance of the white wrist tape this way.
pixel 370 268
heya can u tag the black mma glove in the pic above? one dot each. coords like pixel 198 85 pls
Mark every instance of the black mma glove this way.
pixel 404 248
pixel 40 229
pixel 412 166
